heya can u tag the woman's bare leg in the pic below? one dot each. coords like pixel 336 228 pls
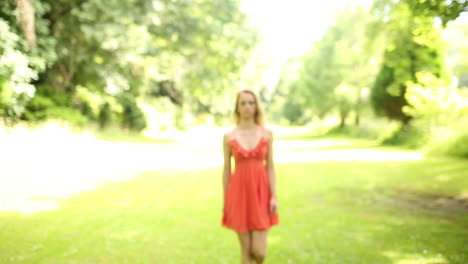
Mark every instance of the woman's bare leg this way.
pixel 245 240
pixel 258 244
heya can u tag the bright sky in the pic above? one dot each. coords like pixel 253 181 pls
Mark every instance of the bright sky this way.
pixel 289 27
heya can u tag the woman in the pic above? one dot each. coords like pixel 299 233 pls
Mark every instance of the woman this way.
pixel 250 205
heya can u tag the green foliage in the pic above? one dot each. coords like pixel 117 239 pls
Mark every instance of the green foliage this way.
pixel 293 112
pixel 133 117
pixel 88 102
pixel 456 35
pixel 405 135
pixel 414 45
pixel 87 111
pixel 59 99
pixel 441 111
pixel 19 65
pixel 41 108
pixel 320 74
pixel 435 103
pixel 71 115
pixel 15 74
pixel 125 46
pixel 105 115
pixel 179 119
pixel 335 72
pixel 4 95
pixel 47 103
pixel 445 10
pixel 37 108
pixel 285 96
pixel 456 145
pixel 385 79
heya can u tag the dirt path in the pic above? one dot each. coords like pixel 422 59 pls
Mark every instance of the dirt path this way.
pixel 36 168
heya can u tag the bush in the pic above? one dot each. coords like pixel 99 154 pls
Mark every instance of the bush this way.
pixel 105 115
pixel 59 99
pixel 37 108
pixel 179 118
pixel 16 73
pixel 440 111
pixel 87 111
pixel 3 94
pixel 133 117
pixel 88 102
pixel 409 135
pixel 294 113
pixel 71 115
pixel 40 108
pixel 455 145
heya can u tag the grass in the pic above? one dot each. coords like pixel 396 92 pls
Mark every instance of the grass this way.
pixel 330 212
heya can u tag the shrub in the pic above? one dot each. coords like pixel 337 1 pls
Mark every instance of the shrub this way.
pixel 71 115
pixel 133 117
pixel 37 108
pixel 105 115
pixel 440 111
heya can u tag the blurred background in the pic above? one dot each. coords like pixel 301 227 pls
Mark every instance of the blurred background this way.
pixel 110 111
pixel 394 69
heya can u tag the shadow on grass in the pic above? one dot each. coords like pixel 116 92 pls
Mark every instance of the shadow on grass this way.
pixel 354 212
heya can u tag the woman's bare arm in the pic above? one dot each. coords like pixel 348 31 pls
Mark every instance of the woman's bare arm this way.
pixel 271 174
pixel 227 162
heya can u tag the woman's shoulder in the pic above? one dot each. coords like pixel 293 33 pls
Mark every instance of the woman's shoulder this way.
pixel 268 133
pixel 229 133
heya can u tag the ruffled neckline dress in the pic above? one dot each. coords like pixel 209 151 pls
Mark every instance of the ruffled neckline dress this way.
pixel 246 202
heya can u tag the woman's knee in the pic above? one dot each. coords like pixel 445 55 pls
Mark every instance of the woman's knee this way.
pixel 259 241
pixel 258 255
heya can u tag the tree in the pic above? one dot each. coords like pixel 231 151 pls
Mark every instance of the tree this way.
pixel 26 11
pixel 191 51
pixel 339 66
pixel 414 45
pixel 444 10
pixel 457 53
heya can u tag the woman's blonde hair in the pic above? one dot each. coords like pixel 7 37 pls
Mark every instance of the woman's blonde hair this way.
pixel 258 116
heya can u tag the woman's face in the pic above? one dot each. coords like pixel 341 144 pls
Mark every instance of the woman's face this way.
pixel 246 105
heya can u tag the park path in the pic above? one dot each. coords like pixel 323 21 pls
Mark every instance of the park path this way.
pixel 36 168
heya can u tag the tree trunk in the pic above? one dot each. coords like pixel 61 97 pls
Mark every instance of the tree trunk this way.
pixel 357 119
pixel 343 115
pixel 358 108
pixel 26 12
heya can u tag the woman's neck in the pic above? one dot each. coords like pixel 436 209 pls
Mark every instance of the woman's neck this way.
pixel 247 123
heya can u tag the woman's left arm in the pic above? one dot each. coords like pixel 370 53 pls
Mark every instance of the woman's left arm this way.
pixel 271 175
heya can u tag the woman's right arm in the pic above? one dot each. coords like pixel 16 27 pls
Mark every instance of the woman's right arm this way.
pixel 227 162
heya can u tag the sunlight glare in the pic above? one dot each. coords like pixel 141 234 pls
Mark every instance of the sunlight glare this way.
pixel 53 162
pixel 423 258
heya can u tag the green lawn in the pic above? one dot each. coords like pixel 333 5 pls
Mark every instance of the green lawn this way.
pixel 330 212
